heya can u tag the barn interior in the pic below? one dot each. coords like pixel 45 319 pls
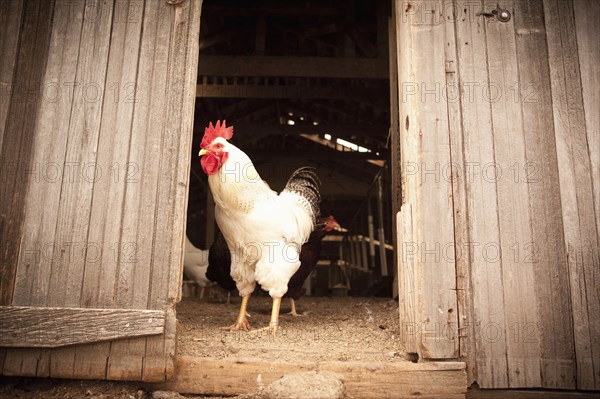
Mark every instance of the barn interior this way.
pixel 305 84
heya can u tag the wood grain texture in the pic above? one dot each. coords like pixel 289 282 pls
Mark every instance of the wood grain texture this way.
pixel 138 75
pixel 10 28
pixel 541 170
pixel 18 131
pixel 514 220
pixel 49 327
pixel 465 312
pixel 576 188
pixel 410 333
pixel 16 157
pixel 361 379
pixel 425 142
pixel 115 147
pixel 587 27
pixel 180 120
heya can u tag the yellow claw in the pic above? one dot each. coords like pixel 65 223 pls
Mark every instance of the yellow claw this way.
pixel 241 322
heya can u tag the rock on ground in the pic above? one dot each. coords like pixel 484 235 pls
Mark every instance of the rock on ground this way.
pixel 166 395
pixel 309 384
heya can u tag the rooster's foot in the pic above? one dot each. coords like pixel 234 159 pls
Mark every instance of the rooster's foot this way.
pixel 271 328
pixel 238 326
pixel 295 314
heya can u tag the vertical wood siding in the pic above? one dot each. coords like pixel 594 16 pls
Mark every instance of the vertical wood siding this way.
pixel 424 140
pixel 521 99
pixel 105 199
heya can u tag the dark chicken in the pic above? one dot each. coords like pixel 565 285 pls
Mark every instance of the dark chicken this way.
pixel 309 256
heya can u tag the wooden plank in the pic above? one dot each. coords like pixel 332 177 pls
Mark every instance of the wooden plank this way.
pixel 426 139
pixel 76 193
pixel 361 379
pixel 11 13
pixel 125 357
pixel 91 362
pixel 49 327
pixel 18 153
pixel 18 138
pixel 576 188
pixel 527 394
pixel 481 203
pixel 410 331
pixel 357 68
pixel 587 28
pixel 541 171
pixel 462 258
pixel 514 220
pixel 394 132
pixel 179 122
pixel 140 201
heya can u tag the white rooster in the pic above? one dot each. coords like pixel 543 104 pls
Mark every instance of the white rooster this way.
pixel 195 263
pixel 264 230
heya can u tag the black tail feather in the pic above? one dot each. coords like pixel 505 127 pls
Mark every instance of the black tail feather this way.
pixel 306 183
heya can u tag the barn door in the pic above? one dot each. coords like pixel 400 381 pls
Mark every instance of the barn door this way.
pixel 95 163
pixel 498 231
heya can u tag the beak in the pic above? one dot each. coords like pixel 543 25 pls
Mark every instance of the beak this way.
pixel 202 152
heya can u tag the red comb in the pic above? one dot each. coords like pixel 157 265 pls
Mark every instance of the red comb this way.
pixel 212 132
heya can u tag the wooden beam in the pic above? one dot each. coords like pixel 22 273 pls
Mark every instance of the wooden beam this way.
pixel 200 375
pixel 528 394
pixel 325 67
pixel 36 327
pixel 343 131
pixel 213 40
pixel 279 9
pixel 223 90
pixel 318 154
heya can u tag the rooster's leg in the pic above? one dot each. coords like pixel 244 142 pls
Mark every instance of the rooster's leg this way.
pixel 202 290
pixel 293 311
pixel 242 321
pixel 274 324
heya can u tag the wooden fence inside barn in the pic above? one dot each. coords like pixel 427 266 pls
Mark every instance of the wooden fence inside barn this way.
pixel 95 132
pixel 498 231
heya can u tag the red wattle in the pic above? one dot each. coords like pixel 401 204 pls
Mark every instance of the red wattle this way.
pixel 210 164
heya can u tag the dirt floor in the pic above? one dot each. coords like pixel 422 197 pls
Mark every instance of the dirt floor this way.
pixel 334 328
pixel 47 388
pixel 331 328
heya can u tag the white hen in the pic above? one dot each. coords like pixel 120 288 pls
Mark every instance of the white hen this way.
pixel 264 230
pixel 195 263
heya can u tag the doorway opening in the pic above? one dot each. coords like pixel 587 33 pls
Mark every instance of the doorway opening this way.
pixel 303 84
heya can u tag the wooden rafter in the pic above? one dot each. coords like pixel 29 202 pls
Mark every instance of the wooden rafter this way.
pixel 210 90
pixel 324 67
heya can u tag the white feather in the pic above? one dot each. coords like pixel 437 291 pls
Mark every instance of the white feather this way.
pixel 264 230
pixel 195 263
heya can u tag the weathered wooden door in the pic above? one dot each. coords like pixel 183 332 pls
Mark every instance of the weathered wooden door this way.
pixel 95 135
pixel 499 228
